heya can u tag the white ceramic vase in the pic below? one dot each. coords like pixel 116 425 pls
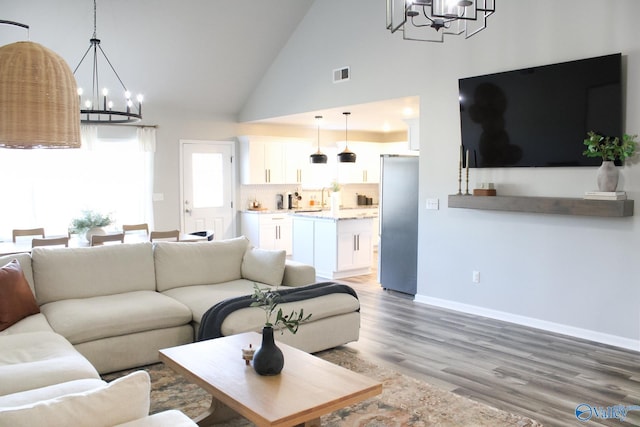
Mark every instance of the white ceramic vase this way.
pixel 95 231
pixel 335 203
pixel 607 176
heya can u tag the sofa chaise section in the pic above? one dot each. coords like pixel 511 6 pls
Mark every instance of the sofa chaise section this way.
pixel 202 275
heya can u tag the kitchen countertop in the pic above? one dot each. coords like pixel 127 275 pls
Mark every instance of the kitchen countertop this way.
pixel 347 213
pixel 342 214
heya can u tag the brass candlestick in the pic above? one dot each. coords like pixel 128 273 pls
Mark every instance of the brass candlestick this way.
pixel 460 178
pixel 467 192
pixel 467 165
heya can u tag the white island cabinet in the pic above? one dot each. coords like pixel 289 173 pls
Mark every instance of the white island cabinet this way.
pixel 337 247
pixel 268 230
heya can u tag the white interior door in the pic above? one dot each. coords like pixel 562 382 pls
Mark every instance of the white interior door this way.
pixel 208 187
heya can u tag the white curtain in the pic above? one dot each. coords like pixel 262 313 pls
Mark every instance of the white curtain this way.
pixel 48 188
pixel 88 136
pixel 147 144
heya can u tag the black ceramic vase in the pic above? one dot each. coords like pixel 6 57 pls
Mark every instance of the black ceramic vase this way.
pixel 269 359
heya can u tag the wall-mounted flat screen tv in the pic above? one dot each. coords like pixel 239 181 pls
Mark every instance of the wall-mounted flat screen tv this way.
pixel 540 116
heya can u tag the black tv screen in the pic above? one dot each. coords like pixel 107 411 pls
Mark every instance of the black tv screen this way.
pixel 540 116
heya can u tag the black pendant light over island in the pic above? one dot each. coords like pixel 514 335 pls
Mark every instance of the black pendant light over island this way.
pixel 346 156
pixel 318 157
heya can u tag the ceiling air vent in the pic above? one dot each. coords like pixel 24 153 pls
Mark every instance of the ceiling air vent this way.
pixel 341 74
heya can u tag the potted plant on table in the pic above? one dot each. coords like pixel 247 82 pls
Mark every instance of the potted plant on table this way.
pixel 90 223
pixel 610 150
pixel 268 359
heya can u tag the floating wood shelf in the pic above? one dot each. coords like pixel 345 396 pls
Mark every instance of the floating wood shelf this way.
pixel 549 205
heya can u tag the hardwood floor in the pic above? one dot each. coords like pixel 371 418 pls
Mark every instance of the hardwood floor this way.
pixel 522 370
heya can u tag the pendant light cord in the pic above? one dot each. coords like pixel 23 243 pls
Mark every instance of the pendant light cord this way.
pixel 346 122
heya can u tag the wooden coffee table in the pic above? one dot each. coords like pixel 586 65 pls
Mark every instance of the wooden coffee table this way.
pixel 307 387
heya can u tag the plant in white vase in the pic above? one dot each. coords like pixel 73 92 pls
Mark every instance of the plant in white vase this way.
pixel 610 150
pixel 90 222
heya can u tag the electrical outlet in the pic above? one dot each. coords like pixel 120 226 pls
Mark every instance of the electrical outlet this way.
pixel 476 277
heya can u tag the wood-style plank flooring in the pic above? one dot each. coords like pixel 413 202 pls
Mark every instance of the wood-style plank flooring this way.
pixel 515 368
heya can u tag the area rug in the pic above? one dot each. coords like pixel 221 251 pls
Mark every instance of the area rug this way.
pixel 404 401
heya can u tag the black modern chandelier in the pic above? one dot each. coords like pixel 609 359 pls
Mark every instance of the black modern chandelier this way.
pixel 98 107
pixel 431 20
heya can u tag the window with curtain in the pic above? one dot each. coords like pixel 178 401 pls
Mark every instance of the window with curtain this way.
pixel 50 187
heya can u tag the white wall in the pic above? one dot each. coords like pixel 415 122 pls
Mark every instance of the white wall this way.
pixel 566 273
pixel 173 127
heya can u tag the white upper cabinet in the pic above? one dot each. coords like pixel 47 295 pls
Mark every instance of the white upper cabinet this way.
pixel 273 160
pixel 413 134
pixel 366 169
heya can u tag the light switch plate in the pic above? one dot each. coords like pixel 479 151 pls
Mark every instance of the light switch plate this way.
pixel 433 204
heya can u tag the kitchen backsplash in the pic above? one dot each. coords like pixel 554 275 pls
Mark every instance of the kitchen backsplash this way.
pixel 265 195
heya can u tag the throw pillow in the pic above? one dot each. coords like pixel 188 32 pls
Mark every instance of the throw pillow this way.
pixel 264 266
pixel 122 400
pixel 16 299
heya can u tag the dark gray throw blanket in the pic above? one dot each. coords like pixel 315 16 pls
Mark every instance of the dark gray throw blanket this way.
pixel 211 324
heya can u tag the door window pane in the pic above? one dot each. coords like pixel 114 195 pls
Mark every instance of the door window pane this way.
pixel 207 180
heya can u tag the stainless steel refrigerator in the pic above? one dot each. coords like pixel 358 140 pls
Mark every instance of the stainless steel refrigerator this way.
pixel 398 247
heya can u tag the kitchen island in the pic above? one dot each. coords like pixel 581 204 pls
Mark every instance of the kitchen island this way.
pixel 338 246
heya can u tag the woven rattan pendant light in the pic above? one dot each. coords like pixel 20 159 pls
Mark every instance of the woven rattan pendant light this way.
pixel 38 99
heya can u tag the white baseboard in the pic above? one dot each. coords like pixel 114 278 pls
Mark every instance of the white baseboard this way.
pixel 559 328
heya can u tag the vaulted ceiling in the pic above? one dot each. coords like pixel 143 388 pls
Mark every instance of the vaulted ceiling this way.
pixel 195 54
pixel 204 55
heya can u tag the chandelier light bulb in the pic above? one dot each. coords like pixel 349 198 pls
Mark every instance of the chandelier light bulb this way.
pixel 140 97
pixel 127 95
pixel 110 105
pixel 87 103
pixel 105 91
pixel 80 91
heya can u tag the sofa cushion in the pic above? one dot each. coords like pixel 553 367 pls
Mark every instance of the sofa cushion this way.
pixel 88 319
pixel 198 263
pixel 123 400
pixel 62 274
pixel 39 359
pixel 171 418
pixel 322 307
pixel 25 263
pixel 29 397
pixel 265 266
pixel 16 298
pixel 34 323
pixel 200 298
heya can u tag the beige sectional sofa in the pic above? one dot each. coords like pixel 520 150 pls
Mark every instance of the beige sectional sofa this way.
pixel 108 308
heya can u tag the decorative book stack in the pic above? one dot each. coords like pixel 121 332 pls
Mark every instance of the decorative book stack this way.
pixel 605 195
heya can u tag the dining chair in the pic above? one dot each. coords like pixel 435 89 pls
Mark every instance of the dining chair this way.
pixel 99 239
pixel 28 232
pixel 165 235
pixel 135 227
pixel 51 241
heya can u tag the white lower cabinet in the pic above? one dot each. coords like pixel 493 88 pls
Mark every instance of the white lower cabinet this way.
pixel 268 231
pixel 336 248
pixel 354 244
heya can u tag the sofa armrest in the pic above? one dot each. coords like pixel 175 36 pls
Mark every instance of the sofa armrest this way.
pixel 298 274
